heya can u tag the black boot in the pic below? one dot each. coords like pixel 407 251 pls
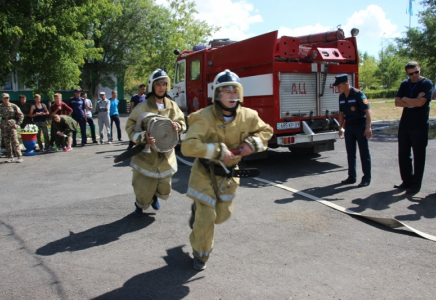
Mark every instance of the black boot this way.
pixel 138 211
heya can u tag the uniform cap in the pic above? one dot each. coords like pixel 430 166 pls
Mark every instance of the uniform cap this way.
pixel 77 90
pixel 5 95
pixel 340 78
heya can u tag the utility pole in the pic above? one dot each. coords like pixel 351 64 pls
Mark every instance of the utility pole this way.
pixel 382 64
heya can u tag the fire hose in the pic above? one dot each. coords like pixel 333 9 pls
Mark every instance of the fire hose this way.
pixel 161 129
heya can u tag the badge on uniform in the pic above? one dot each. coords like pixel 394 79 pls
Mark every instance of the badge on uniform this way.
pixel 365 101
pixel 352 108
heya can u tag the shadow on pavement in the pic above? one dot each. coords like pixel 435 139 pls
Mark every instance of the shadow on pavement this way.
pixel 424 208
pixel 287 165
pixel 163 283
pixel 377 201
pixel 360 218
pixel 97 236
pixel 102 152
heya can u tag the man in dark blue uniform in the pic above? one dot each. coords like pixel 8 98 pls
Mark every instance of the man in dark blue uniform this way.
pixel 79 115
pixel 354 109
pixel 134 101
pixel 414 95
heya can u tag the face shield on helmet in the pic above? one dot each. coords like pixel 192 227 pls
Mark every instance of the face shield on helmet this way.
pixel 157 76
pixel 227 85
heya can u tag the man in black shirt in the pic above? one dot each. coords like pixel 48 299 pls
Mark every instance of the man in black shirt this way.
pixel 25 109
pixel 414 95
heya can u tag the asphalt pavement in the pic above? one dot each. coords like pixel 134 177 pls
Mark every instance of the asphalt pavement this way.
pixel 67 231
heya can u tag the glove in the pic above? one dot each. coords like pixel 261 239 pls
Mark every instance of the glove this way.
pixel 141 139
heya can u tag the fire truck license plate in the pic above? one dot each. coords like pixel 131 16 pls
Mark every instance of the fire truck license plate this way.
pixel 288 125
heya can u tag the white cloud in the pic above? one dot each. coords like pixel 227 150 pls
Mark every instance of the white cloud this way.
pixel 234 17
pixel 374 27
pixel 371 22
pixel 310 29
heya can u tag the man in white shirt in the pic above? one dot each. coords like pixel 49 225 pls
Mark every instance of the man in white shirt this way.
pixel 103 106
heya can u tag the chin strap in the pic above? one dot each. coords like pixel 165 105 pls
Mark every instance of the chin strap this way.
pixel 159 97
pixel 156 96
pixel 232 110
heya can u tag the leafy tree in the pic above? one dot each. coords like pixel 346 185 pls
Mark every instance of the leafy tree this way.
pixel 367 71
pixel 185 32
pixel 46 41
pixel 56 44
pixel 182 32
pixel 140 39
pixel 120 35
pixel 420 43
pixel 390 67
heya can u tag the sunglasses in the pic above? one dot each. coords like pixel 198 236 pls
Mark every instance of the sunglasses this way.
pixel 410 74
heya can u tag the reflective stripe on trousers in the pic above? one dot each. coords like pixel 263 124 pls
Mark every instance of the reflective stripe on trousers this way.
pixel 208 199
pixel 154 174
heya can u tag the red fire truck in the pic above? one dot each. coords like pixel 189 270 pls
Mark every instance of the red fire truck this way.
pixel 287 80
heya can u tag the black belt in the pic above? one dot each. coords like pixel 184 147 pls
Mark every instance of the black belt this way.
pixel 241 173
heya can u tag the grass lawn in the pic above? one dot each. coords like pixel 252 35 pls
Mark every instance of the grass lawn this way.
pixel 384 109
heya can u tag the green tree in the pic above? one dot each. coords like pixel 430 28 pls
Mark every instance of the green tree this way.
pixel 46 41
pixel 390 67
pixel 420 43
pixel 140 39
pixel 120 35
pixel 367 72
pixel 183 31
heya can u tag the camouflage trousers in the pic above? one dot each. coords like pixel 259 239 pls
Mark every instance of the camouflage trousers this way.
pixel 10 138
pixel 42 127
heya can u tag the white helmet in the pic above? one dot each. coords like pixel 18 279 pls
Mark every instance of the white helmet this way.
pixel 227 78
pixel 158 74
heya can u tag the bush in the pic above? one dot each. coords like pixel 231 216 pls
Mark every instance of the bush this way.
pixel 381 93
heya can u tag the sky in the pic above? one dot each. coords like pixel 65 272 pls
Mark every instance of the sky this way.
pixel 378 21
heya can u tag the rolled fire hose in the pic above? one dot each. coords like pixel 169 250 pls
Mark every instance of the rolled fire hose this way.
pixel 161 129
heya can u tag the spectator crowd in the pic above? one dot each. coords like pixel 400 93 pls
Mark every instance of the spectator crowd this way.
pixel 61 118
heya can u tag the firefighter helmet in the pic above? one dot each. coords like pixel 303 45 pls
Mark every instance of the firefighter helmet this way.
pixel 227 79
pixel 158 74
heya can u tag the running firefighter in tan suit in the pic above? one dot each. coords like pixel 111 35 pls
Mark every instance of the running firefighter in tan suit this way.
pixel 213 131
pixel 152 171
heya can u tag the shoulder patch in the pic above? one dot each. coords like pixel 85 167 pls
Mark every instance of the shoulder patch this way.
pixel 356 90
pixel 365 101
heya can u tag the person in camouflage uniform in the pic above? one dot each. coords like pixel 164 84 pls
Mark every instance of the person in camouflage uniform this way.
pixel 11 119
pixel 63 126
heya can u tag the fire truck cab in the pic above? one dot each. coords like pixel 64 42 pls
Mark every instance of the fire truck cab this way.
pixel 287 80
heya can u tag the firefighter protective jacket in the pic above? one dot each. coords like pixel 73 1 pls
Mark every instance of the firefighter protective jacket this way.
pixel 154 164
pixel 209 135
